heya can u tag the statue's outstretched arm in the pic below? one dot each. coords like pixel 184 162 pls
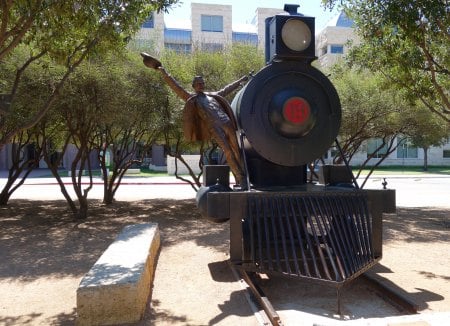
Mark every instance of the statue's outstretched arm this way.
pixel 176 87
pixel 154 63
pixel 233 86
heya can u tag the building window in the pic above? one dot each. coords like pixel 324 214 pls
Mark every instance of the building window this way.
pixel 332 152
pixel 212 47
pixel 150 22
pixel 376 149
pixel 177 36
pixel 141 44
pixel 406 150
pixel 245 38
pixel 446 153
pixel 336 49
pixel 179 48
pixel 212 23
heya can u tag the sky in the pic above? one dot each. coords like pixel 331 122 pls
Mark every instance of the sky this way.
pixel 244 10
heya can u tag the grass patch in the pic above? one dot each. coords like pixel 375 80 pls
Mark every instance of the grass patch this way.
pixel 145 172
pixel 415 170
pixel 97 173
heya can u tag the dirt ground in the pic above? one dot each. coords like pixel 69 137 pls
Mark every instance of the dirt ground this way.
pixel 44 254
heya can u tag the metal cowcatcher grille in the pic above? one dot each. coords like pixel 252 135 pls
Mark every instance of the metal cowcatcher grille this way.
pixel 323 236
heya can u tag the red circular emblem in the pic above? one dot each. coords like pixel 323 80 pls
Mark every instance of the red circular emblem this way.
pixel 296 110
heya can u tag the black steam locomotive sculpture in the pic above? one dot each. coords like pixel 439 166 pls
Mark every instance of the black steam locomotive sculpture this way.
pixel 289 115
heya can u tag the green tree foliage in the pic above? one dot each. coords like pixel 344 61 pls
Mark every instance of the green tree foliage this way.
pixel 109 105
pixel 130 104
pixel 407 41
pixel 58 26
pixel 370 109
pixel 66 31
pixel 37 82
pixel 426 130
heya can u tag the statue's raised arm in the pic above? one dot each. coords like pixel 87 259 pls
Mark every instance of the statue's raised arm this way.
pixel 154 63
pixel 232 87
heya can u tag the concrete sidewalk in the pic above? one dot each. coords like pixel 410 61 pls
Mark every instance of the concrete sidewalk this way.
pixel 424 190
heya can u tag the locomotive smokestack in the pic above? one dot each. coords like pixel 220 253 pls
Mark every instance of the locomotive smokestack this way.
pixel 291 9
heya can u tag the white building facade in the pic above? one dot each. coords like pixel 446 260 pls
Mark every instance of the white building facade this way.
pixel 332 44
pixel 210 28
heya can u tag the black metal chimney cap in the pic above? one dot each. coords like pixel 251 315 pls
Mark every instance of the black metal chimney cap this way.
pixel 291 9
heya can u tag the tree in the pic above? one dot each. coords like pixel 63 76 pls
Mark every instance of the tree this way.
pixel 25 156
pixel 75 113
pixel 408 42
pixel 109 105
pixel 129 100
pixel 370 110
pixel 36 84
pixel 66 31
pixel 426 131
pixel 49 22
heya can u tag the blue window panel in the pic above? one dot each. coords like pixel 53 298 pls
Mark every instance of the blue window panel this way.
pixel 149 23
pixel 344 21
pixel 181 36
pixel 405 149
pixel 337 49
pixel 212 47
pixel 246 38
pixel 377 148
pixel 211 23
pixel 179 48
pixel 217 23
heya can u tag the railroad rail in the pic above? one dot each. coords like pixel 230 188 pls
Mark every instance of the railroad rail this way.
pixel 387 294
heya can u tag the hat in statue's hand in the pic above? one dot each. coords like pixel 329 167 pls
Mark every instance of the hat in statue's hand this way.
pixel 150 62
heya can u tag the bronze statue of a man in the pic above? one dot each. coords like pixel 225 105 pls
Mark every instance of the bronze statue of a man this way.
pixel 207 115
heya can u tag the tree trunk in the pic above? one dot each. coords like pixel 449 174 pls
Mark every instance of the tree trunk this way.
pixel 108 188
pixel 425 158
pixel 11 185
pixel 4 197
pixel 83 209
pixel 108 196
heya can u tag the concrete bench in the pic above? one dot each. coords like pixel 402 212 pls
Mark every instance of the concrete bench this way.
pixel 132 171
pixel 116 289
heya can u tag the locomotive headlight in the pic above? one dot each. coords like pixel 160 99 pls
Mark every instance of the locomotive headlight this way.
pixel 290 37
pixel 296 35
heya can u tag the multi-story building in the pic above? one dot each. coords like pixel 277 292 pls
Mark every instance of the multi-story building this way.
pixel 332 43
pixel 211 28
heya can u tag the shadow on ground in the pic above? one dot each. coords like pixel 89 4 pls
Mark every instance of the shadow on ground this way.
pixel 417 225
pixel 40 238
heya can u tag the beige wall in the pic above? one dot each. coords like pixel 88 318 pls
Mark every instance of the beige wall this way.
pixel 198 36
pixel 261 15
pixel 156 35
pixel 333 35
pixel 153 37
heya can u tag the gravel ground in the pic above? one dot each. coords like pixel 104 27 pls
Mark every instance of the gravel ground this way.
pixel 45 254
